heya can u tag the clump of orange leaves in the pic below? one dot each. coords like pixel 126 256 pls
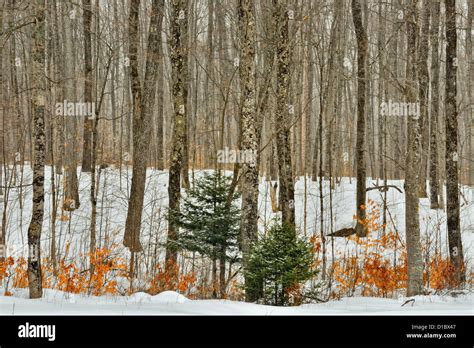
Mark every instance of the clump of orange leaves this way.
pixel 169 278
pixel 99 279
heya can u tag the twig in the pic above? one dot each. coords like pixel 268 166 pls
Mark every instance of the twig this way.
pixel 412 301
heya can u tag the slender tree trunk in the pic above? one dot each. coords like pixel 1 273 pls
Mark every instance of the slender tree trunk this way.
pixel 434 177
pixel 39 99
pixel 178 29
pixel 186 61
pixel 283 120
pixel 222 284
pixel 58 120
pixel 381 84
pixel 209 109
pixel 2 142
pixel 383 95
pixel 250 132
pixel 452 180
pixel 71 186
pixel 87 137
pixel 362 51
pixel 423 87
pixel 470 112
pixel 321 179
pixel 131 237
pixel 160 158
pixel 143 111
pixel 309 118
pixel 88 122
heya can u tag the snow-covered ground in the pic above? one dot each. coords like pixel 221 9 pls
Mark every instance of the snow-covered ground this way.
pixel 171 303
pixel 114 185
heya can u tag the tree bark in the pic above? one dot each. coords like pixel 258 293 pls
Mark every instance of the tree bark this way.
pixel 470 112
pixel 283 120
pixel 160 156
pixel 131 237
pixel 39 100
pixel 423 87
pixel 362 50
pixel 88 122
pixel 412 219
pixel 143 111
pixel 178 29
pixel 250 132
pixel 71 186
pixel 452 180
pixel 434 177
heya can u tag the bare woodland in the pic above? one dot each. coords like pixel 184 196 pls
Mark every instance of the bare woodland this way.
pixel 376 92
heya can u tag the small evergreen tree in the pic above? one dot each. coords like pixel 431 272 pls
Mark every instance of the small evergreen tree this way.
pixel 280 262
pixel 208 222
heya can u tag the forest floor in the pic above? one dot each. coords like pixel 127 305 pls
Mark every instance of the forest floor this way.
pixel 72 236
pixel 170 303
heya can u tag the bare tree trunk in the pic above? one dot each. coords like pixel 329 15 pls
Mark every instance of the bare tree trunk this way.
pixel 39 82
pixel 423 87
pixel 412 220
pixel 209 108
pixel 250 132
pixel 143 111
pixel 178 28
pixel 160 159
pixel 222 283
pixel 87 137
pixel 362 50
pixel 470 117
pixel 88 122
pixel 380 95
pixel 283 120
pixel 71 190
pixel 2 142
pixel 383 95
pixel 58 120
pixel 452 180
pixel 309 82
pixel 131 237
pixel 434 177
pixel 321 178
pixel 186 61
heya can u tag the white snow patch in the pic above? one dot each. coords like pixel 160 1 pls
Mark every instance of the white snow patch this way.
pixel 169 297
